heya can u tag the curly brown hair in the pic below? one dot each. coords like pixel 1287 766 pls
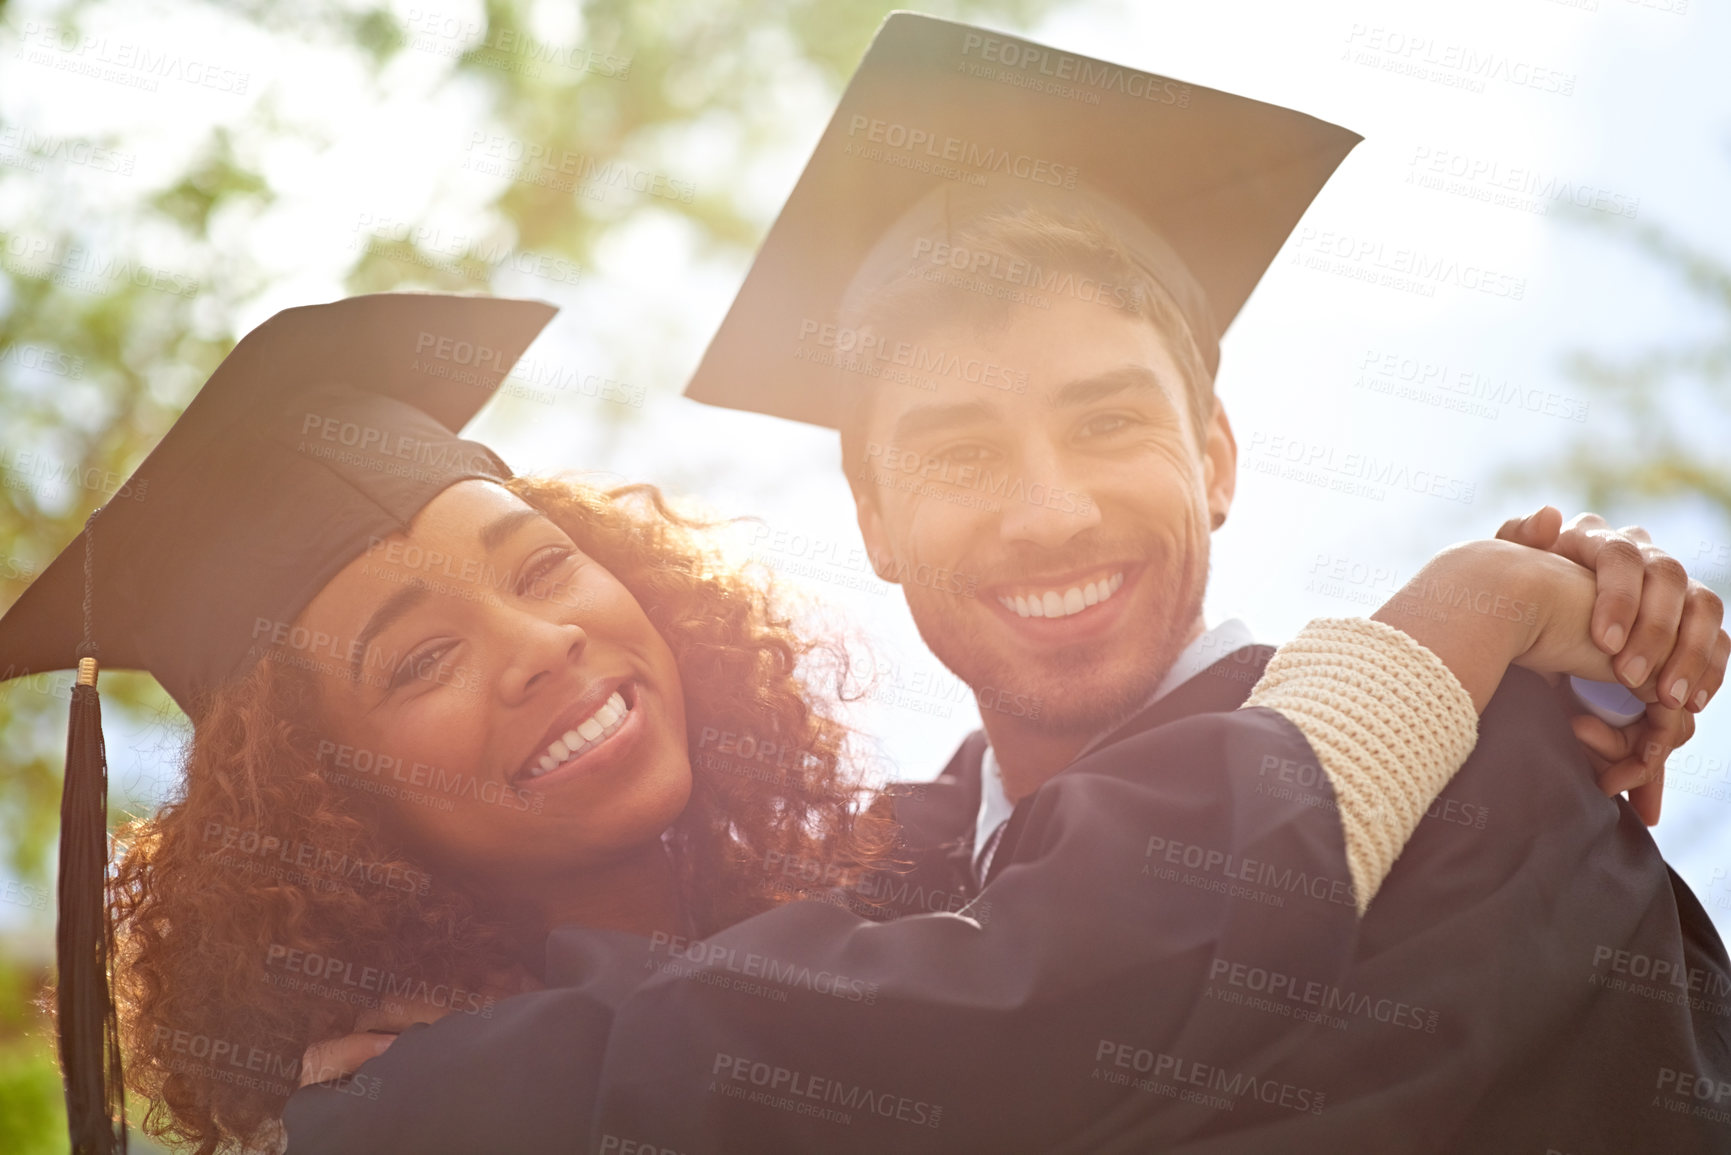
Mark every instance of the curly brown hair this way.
pixel 201 897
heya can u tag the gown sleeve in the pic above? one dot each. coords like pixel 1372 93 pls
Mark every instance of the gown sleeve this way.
pixel 1532 977
pixel 1072 987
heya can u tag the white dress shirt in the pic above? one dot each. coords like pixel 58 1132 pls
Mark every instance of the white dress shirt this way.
pixel 995 805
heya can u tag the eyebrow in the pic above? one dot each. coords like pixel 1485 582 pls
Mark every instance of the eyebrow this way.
pixel 1071 395
pixel 1110 383
pixel 494 533
pixel 392 608
pixel 936 418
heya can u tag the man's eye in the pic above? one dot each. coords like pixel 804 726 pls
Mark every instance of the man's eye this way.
pixel 419 664
pixel 963 454
pixel 535 579
pixel 1105 425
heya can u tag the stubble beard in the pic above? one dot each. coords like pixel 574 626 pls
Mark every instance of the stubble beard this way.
pixel 1074 696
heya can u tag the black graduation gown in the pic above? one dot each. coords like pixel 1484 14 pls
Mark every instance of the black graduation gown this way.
pixel 938 818
pixel 1504 997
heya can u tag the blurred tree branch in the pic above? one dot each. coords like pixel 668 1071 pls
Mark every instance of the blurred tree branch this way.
pixel 1668 404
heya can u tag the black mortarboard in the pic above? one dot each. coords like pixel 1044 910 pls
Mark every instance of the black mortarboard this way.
pixel 944 122
pixel 326 427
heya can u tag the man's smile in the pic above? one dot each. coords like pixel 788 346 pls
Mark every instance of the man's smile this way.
pixel 1078 606
pixel 1061 597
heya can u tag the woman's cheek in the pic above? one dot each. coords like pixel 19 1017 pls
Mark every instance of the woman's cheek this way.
pixel 441 731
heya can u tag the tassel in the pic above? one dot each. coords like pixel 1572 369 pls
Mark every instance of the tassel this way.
pixel 84 938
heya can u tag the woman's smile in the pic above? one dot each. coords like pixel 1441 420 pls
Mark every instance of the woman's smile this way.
pixel 590 737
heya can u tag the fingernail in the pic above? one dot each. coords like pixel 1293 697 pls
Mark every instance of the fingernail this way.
pixel 1680 691
pixel 1614 638
pixel 1700 702
pixel 1636 671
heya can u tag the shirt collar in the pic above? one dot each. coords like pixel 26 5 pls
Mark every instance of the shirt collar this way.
pixel 1228 637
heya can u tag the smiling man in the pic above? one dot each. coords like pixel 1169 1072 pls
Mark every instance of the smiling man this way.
pixel 1022 372
pixel 1078 504
pixel 1103 469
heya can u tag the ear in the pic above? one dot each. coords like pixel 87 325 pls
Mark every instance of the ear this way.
pixel 872 528
pixel 1219 465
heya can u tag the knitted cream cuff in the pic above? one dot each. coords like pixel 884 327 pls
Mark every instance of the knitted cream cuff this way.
pixel 1390 725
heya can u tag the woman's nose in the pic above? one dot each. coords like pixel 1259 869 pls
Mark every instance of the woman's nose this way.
pixel 538 651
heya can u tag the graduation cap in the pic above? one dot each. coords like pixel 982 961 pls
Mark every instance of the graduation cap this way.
pixel 944 123
pixel 325 427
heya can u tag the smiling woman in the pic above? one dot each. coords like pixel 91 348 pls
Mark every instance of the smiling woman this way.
pixel 351 843
pixel 557 682
pixel 438 710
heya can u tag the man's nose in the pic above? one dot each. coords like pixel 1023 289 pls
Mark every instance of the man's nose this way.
pixel 1046 505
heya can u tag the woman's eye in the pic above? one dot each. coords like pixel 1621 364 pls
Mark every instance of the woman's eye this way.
pixel 534 580
pixel 419 664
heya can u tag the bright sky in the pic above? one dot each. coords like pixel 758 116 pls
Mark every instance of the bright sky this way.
pixel 1624 99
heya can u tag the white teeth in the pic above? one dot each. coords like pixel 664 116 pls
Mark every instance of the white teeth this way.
pixel 589 732
pixel 1055 604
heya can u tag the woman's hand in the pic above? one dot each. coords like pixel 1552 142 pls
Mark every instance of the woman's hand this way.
pixel 1664 631
pixel 1662 626
pixel 1482 605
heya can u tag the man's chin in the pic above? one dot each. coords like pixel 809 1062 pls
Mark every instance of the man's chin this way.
pixel 1077 696
pixel 1084 687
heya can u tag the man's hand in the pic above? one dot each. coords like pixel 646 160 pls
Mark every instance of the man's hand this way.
pixel 1663 631
pixel 339 1058
pixel 375 1031
pixel 378 1027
